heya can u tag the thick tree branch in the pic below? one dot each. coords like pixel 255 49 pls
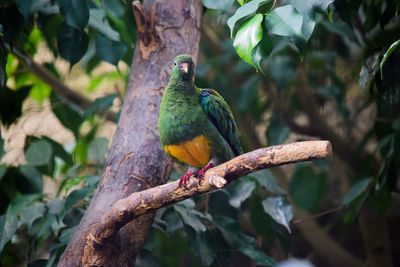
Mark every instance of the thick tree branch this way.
pixel 136 160
pixel 59 87
pixel 139 203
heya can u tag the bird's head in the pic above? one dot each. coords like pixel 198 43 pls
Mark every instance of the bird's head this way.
pixel 185 66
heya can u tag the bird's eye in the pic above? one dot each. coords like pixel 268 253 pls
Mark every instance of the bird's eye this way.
pixel 175 64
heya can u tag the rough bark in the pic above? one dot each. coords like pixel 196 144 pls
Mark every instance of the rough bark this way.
pixel 136 161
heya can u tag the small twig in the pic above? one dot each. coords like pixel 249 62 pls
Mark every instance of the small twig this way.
pixel 317 215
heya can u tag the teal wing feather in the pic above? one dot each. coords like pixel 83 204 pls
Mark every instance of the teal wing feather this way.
pixel 221 116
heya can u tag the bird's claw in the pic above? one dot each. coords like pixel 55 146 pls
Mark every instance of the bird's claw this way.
pixel 186 178
pixel 201 173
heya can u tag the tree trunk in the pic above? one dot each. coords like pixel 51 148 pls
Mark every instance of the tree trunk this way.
pixel 136 160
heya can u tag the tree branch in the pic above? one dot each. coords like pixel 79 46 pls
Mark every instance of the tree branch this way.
pixel 136 160
pixel 59 87
pixel 139 203
pixel 344 148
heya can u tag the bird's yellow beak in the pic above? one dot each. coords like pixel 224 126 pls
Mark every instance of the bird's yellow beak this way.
pixel 185 67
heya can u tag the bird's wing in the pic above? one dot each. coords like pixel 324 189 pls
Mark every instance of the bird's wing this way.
pixel 221 116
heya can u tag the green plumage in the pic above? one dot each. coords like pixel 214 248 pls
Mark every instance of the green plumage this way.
pixel 187 112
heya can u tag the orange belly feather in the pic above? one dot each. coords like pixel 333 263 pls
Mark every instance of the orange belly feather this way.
pixel 195 152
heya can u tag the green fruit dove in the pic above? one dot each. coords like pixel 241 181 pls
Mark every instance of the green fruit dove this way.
pixel 196 125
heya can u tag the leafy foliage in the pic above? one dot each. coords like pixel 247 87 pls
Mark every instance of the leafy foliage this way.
pixel 313 55
pixel 294 19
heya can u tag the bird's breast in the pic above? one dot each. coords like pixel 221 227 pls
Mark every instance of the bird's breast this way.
pixel 195 152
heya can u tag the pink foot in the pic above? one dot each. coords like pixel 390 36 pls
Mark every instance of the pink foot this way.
pixel 203 171
pixel 185 178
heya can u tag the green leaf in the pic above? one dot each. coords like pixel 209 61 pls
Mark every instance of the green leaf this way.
pixel 262 51
pixel 31 213
pixel 80 151
pixel 232 233
pixel 72 43
pixel 12 22
pixel 342 29
pixel 25 6
pixel 263 223
pixel 3 170
pixel 306 187
pixel 282 69
pixel 75 12
pixel 356 190
pixel 76 196
pixel 38 153
pixel 321 5
pixel 242 191
pixel 56 206
pixel 122 29
pixel 190 218
pixel 98 149
pixel 285 21
pixel 11 103
pixel 368 70
pixel 19 203
pixel 59 151
pixel 172 220
pixel 146 258
pixel 279 209
pixel 306 9
pixel 247 98
pixel 98 21
pixel 223 5
pixel 73 182
pixel 113 6
pixel 108 50
pixel 40 91
pixel 68 117
pixel 277 132
pixel 247 38
pixel 33 179
pixel 8 226
pixel 384 141
pixel 92 180
pixel 244 11
pixel 395 126
pixel 101 103
pixel 268 182
pixel 241 2
pixel 387 54
pixel 66 235
pixel 258 256
pixel 203 246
